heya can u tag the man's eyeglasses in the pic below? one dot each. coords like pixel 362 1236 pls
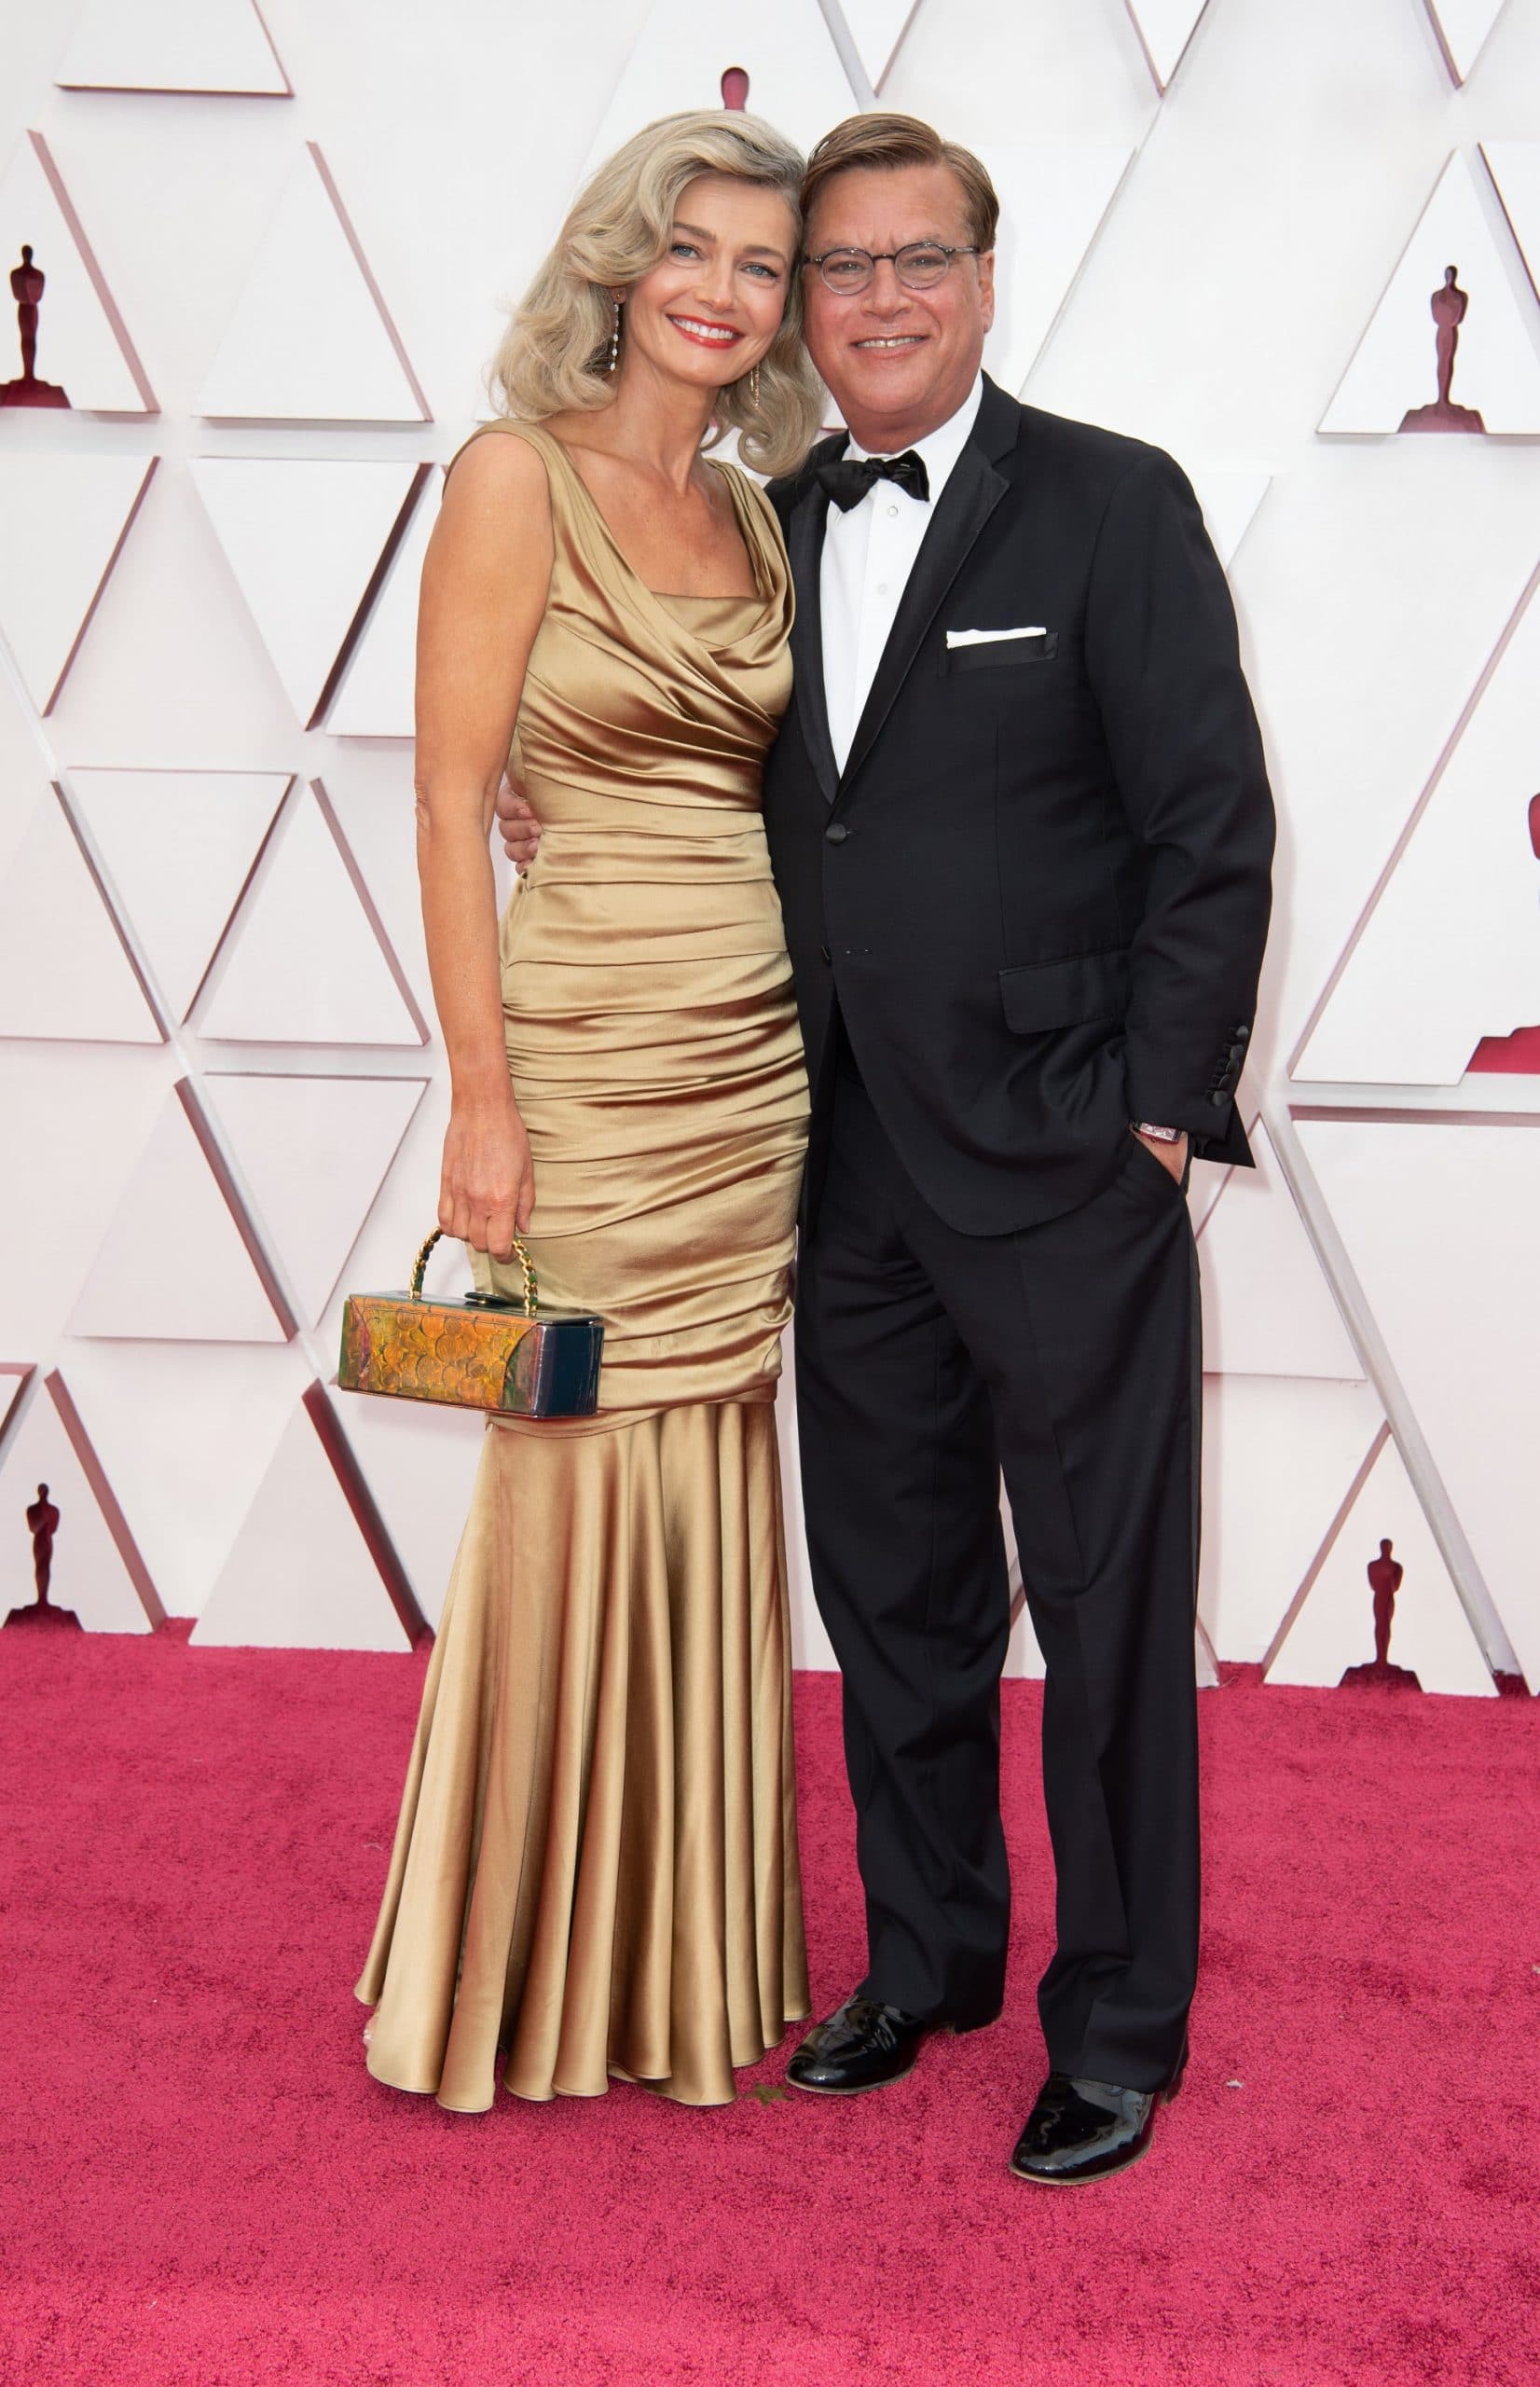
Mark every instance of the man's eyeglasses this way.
pixel 919 265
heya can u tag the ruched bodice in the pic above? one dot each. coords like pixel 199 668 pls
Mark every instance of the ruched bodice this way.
pixel 643 712
pixel 596 1863
pixel 647 997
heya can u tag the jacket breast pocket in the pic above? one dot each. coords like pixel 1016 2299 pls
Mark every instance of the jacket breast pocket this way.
pixel 1080 986
pixel 1001 655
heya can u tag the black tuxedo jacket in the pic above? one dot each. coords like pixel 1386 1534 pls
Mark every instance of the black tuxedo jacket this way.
pixel 1040 889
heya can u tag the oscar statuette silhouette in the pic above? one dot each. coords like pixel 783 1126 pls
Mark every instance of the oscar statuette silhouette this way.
pixel 43 1523
pixel 1517 1054
pixel 1385 1574
pixel 1447 307
pixel 26 287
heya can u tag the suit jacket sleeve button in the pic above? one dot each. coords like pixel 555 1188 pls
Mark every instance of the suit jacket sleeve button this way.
pixel 1218 1097
pixel 836 833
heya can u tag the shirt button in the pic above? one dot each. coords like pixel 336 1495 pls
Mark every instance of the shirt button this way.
pixel 892 512
pixel 882 587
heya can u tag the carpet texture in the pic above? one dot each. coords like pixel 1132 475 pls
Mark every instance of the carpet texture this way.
pixel 206 2190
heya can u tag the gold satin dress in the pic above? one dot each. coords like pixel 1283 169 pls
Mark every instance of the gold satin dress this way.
pixel 595 1871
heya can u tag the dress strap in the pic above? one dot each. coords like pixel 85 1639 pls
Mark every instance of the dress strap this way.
pixel 534 435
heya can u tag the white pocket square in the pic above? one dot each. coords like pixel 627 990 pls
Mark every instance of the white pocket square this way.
pixel 991 638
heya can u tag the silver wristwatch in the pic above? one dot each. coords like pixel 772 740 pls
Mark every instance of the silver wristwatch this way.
pixel 1159 1134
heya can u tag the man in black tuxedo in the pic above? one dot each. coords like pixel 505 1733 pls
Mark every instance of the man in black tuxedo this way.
pixel 1021 828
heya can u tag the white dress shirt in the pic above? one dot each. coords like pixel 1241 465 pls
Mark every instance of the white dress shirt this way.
pixel 868 556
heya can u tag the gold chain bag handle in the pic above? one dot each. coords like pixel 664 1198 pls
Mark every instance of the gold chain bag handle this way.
pixel 475 1352
pixel 521 1253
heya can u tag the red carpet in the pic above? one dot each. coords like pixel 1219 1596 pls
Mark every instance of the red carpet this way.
pixel 206 2190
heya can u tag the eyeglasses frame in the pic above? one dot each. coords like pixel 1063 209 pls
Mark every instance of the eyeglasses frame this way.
pixel 890 257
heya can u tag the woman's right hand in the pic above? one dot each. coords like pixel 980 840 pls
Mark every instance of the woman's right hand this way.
pixel 487 1191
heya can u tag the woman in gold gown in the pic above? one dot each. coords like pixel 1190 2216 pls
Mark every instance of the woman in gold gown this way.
pixel 595 1871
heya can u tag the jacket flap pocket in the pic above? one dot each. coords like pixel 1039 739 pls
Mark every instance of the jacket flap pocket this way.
pixel 1061 994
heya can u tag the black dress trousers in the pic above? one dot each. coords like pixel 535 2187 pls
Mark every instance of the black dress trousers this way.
pixel 1068 1355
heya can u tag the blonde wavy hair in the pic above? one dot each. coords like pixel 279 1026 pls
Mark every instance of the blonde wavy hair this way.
pixel 553 355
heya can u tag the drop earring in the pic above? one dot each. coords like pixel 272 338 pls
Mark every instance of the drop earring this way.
pixel 754 386
pixel 613 357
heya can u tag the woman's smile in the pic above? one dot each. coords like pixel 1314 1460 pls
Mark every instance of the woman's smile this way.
pixel 705 335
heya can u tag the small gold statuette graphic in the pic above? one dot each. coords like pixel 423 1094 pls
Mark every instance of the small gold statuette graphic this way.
pixel 1447 306
pixel 43 1523
pixel 26 288
pixel 1385 1574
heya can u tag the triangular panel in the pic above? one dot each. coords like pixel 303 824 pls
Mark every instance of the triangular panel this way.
pixel 1268 1310
pixel 1230 495
pixel 206 46
pixel 419 1461
pixel 63 970
pixel 1497 364
pixel 1024 1655
pixel 1460 27
pixel 177 848
pixel 313 1153
pixel 300 1575
pixel 1051 206
pixel 186 1431
pixel 1448 952
pixel 96 1570
pixel 179 1261
pixel 1281 1455
pixel 795 78
pixel 370 790
pixel 304 962
pixel 15 1376
pixel 24 770
pixel 877 27
pixel 1439 1220
pixel 1514 170
pixel 374 697
pixel 1164 28
pixel 1430 1633
pixel 83 344
pixel 304 541
pixel 312 340
pixel 66 518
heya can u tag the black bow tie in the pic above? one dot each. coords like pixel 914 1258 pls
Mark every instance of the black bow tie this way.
pixel 847 478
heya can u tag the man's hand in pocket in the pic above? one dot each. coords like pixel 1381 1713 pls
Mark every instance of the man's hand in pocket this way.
pixel 517 824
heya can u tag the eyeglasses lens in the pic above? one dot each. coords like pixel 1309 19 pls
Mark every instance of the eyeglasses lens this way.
pixel 850 271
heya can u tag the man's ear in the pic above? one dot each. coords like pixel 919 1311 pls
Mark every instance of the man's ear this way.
pixel 986 288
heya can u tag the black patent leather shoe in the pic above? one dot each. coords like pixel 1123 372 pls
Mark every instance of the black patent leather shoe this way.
pixel 1086 2130
pixel 862 2045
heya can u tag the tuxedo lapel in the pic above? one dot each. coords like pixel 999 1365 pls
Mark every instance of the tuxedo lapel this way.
pixel 966 503
pixel 972 492
pixel 804 545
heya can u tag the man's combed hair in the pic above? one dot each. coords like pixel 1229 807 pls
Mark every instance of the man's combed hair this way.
pixel 553 354
pixel 884 142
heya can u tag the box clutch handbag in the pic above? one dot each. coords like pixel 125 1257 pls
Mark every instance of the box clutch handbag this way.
pixel 508 1358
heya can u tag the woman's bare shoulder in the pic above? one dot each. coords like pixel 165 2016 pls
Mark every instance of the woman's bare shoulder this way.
pixel 498 480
